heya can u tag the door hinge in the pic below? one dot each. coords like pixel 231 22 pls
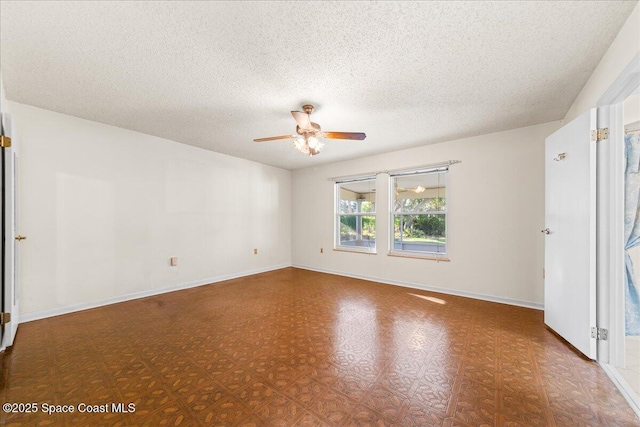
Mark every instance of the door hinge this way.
pixel 5 318
pixel 599 333
pixel 599 134
pixel 5 141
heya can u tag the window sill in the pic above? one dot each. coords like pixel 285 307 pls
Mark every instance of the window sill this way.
pixel 357 251
pixel 429 257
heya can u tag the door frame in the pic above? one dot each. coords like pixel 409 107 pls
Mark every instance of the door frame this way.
pixel 610 227
pixel 610 212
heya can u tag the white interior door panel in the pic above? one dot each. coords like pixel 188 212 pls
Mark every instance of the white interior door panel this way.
pixel 570 233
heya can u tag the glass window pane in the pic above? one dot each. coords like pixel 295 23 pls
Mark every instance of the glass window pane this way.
pixel 420 193
pixel 348 206
pixel 420 233
pixel 357 196
pixel 358 231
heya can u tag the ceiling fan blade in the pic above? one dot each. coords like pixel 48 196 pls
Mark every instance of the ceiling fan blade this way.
pixel 302 119
pixel 273 138
pixel 345 135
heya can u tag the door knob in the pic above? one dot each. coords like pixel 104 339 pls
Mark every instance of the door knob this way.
pixel 18 238
pixel 546 231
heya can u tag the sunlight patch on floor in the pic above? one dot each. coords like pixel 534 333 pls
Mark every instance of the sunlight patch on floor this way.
pixel 432 299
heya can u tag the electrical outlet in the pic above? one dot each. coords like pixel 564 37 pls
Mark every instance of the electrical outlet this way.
pixel 174 261
pixel 255 251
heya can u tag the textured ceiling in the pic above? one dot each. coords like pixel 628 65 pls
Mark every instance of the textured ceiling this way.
pixel 217 75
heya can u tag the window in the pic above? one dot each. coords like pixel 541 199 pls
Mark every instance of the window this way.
pixel 356 215
pixel 419 212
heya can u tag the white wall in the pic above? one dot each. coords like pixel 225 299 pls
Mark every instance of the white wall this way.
pixel 104 209
pixel 2 95
pixel 631 109
pixel 496 212
pixel 624 47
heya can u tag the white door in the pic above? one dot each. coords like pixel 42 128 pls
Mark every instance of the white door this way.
pixel 570 233
pixel 11 238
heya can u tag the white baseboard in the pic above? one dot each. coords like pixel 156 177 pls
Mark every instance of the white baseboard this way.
pixel 483 297
pixel 623 386
pixel 43 314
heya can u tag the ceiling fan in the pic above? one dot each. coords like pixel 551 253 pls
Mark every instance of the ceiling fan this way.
pixel 309 135
pixel 419 189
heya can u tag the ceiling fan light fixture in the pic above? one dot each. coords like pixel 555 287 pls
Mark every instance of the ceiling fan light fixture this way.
pixel 310 138
pixel 313 142
pixel 300 145
pixel 308 144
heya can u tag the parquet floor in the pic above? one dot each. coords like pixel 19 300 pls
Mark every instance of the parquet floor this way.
pixel 299 348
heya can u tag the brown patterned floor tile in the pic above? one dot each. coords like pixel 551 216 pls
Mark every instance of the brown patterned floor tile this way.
pixel 391 405
pixel 237 378
pixel 352 385
pixel 515 384
pixel 261 364
pixel 217 367
pixel 363 416
pixel 31 419
pixel 256 395
pixel 326 372
pixel 439 377
pixel 304 390
pixel 95 390
pixel 303 361
pixel 205 397
pixel 526 408
pixel 523 420
pixel 244 352
pixel 281 376
pixel 280 351
pixel 476 404
pixel 307 419
pixel 341 358
pixel 408 365
pixel 169 414
pixel 483 373
pixel 294 347
pixel 138 384
pixel 366 369
pixel 280 411
pixel 88 419
pixel 251 421
pixel 350 346
pixel 417 414
pixel 331 406
pixel 398 382
pixel 568 401
pixel 430 396
pixel 144 403
pixel 575 420
pixel 227 411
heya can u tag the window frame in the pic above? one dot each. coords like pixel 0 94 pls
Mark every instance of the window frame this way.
pixel 438 256
pixel 337 246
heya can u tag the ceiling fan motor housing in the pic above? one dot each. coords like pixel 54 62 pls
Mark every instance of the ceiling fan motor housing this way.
pixel 315 129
